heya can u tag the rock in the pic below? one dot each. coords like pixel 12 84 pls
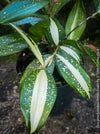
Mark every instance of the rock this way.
pixel 15 88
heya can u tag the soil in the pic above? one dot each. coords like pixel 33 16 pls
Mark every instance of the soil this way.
pixel 80 117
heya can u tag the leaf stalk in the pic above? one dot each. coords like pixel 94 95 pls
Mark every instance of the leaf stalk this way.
pixel 51 57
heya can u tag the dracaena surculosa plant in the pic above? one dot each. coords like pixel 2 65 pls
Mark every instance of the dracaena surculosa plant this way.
pixel 37 86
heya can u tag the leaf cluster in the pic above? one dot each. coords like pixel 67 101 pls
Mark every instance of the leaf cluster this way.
pixel 38 89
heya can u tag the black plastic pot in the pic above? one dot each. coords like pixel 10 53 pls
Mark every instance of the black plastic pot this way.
pixel 23 60
pixel 64 98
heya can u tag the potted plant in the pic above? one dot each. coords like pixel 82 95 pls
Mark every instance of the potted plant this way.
pixel 37 86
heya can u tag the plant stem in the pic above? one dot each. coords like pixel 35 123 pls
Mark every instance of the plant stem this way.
pixel 88 18
pixel 51 57
pixel 51 3
pixel 44 40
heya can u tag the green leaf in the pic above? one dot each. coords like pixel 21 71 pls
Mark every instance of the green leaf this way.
pixel 97 5
pixel 75 44
pixel 10 44
pixel 12 48
pixel 74 74
pixel 30 20
pixel 68 50
pixel 36 18
pixel 32 45
pixel 91 54
pixel 55 32
pixel 20 9
pixel 38 94
pixel 83 50
pixel 38 30
pixel 8 39
pixel 76 16
pixel 57 5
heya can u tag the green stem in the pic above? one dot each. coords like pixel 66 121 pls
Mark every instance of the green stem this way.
pixel 51 57
pixel 45 42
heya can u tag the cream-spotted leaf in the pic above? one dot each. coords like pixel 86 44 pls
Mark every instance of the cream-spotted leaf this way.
pixel 38 94
pixel 20 9
pixel 92 55
pixel 35 65
pixel 10 44
pixel 74 74
pixel 75 44
pixel 12 48
pixel 72 51
pixel 9 39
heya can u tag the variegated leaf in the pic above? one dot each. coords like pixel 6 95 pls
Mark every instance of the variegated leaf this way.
pixel 74 74
pixel 10 44
pixel 72 51
pixel 55 32
pixel 91 54
pixel 76 16
pixel 34 65
pixel 9 39
pixel 12 48
pixel 75 44
pixel 38 94
pixel 32 45
pixel 20 9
